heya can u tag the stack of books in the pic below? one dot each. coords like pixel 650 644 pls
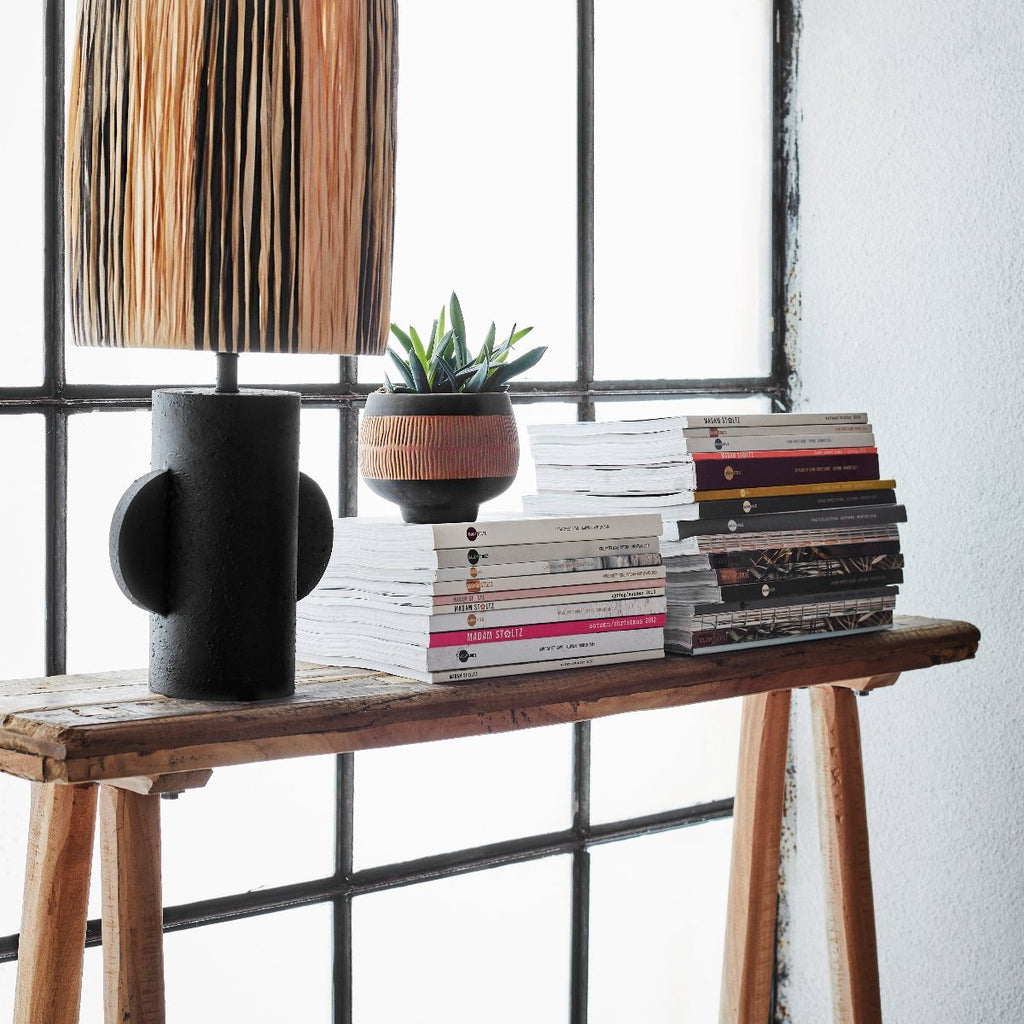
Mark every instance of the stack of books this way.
pixel 775 527
pixel 452 602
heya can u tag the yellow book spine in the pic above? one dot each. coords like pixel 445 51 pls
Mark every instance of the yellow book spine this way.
pixel 820 488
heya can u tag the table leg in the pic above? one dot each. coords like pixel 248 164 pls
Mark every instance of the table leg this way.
pixel 52 946
pixel 754 876
pixel 133 959
pixel 842 819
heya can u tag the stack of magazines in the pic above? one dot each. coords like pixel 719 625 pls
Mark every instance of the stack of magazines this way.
pixel 453 602
pixel 775 527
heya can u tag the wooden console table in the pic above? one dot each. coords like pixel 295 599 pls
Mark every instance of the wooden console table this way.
pixel 67 733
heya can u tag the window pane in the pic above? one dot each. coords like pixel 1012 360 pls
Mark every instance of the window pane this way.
pixel 252 827
pixel 163 366
pixel 681 407
pixel 434 797
pixel 683 158
pixel 262 970
pixel 486 186
pixel 21 185
pixel 14 805
pixel 106 453
pixel 657 926
pixel 658 760
pixel 318 450
pixel 22 547
pixel 491 946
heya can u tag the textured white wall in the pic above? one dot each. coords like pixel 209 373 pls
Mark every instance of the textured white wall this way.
pixel 911 143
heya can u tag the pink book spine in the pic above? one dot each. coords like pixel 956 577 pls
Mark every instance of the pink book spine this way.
pixel 496 634
pixel 440 600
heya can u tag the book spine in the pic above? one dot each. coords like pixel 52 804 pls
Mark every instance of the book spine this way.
pixel 453 558
pixel 805 570
pixel 810 585
pixel 781 453
pixel 770 419
pixel 466 603
pixel 792 503
pixel 615 577
pixel 716 472
pixel 820 599
pixel 779 442
pixel 537 630
pixel 783 613
pixel 533 531
pixel 776 428
pixel 730 493
pixel 554 566
pixel 816 519
pixel 543 649
pixel 769 556
pixel 544 613
pixel 468 675
pixel 761 632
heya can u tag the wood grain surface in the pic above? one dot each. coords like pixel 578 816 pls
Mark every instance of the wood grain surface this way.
pixel 108 725
pixel 52 948
pixel 846 865
pixel 749 962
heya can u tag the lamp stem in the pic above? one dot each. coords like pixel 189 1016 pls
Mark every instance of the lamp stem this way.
pixel 227 373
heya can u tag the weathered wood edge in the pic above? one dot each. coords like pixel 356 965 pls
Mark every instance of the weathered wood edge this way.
pixel 246 733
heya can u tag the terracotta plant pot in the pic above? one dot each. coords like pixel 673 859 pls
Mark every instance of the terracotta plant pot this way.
pixel 438 456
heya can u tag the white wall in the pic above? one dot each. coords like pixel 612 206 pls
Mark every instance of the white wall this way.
pixel 911 146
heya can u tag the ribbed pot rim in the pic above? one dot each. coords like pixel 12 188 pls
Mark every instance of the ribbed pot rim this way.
pixel 486 403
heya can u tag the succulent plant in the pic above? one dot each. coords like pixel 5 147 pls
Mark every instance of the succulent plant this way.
pixel 443 364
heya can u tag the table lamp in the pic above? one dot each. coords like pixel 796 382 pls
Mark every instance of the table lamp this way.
pixel 229 188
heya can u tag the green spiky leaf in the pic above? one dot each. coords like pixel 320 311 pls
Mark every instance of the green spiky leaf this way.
pixel 507 371
pixel 402 367
pixel 404 340
pixel 459 326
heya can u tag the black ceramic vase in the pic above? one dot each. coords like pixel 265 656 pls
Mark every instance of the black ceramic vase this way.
pixel 438 456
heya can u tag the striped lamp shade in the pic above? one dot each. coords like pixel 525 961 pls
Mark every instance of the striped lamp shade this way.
pixel 230 174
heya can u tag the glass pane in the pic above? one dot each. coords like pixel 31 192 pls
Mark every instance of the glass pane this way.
pixel 161 366
pixel 22 547
pixel 436 797
pixel 261 970
pixel 659 760
pixel 657 926
pixel 681 407
pixel 511 501
pixel 486 186
pixel 252 827
pixel 106 452
pixel 683 158
pixel 318 450
pixel 21 185
pixel 491 946
pixel 14 804
pixel 8 976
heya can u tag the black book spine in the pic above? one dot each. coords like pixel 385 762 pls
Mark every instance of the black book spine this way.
pixel 768 556
pixel 867 594
pixel 725 508
pixel 777 522
pixel 718 474
pixel 750 592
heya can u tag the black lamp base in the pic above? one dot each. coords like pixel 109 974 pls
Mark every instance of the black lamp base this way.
pixel 219 541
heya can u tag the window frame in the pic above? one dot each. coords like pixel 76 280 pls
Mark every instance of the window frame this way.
pixel 56 400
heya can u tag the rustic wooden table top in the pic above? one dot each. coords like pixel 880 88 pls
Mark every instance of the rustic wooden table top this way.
pixel 108 725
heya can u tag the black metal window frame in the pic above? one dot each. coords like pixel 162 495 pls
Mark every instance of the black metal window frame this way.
pixel 56 400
